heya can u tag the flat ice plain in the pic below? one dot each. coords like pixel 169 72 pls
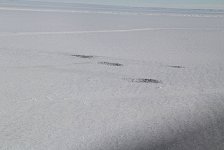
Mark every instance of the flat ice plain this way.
pixel 87 77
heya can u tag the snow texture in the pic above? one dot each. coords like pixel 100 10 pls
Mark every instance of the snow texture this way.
pixel 80 79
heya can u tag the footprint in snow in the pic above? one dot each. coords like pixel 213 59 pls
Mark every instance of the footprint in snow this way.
pixel 110 64
pixel 143 80
pixel 176 67
pixel 83 56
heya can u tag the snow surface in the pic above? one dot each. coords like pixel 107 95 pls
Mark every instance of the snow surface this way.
pixel 89 80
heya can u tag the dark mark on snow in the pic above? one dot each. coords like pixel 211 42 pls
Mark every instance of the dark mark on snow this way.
pixel 176 67
pixel 110 64
pixel 83 56
pixel 143 80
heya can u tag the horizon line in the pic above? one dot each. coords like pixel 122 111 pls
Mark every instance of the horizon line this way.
pixel 107 5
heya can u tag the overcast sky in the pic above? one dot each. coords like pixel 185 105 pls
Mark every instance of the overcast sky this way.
pixel 150 3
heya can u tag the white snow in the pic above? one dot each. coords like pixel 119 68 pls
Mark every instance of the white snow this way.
pixel 60 87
